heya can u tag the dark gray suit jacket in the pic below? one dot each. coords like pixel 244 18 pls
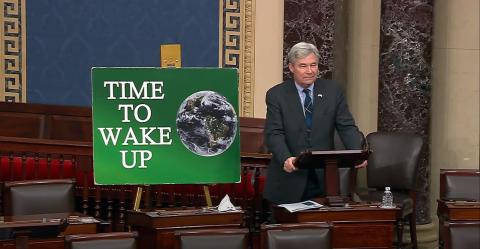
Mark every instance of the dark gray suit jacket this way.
pixel 287 135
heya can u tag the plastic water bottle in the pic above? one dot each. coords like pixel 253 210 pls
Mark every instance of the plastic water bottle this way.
pixel 387 199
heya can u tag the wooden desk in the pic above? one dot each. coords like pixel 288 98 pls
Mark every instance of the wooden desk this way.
pixel 75 224
pixel 458 210
pixel 156 228
pixel 354 227
pixel 455 211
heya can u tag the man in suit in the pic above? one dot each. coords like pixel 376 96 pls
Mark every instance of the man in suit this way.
pixel 302 114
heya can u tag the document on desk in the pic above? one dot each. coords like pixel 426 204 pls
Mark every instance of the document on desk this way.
pixel 299 206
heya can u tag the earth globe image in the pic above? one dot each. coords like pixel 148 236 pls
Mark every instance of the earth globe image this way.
pixel 206 123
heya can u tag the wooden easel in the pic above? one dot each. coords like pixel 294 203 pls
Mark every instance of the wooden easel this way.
pixel 138 197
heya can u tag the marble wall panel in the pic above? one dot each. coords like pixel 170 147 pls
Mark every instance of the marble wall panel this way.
pixel 405 80
pixel 310 21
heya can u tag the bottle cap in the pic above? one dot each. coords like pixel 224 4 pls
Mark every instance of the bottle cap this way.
pixel 387 188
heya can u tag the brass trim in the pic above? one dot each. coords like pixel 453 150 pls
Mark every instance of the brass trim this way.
pixel 13 69
pixel 220 33
pixel 237 46
pixel 249 59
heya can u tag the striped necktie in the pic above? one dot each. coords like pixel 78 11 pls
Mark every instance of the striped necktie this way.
pixel 308 108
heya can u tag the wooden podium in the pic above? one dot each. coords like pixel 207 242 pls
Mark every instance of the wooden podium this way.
pixel 331 161
pixel 156 227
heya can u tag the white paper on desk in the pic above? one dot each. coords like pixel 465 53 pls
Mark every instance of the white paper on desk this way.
pixel 299 206
pixel 87 220
pixel 226 205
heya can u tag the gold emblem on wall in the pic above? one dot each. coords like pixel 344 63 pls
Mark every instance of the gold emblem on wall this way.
pixel 236 46
pixel 13 70
pixel 170 55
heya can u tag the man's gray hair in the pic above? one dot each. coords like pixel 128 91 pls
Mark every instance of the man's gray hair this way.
pixel 302 50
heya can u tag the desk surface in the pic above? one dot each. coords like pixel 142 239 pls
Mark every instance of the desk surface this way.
pixel 365 226
pixel 52 217
pixel 76 223
pixel 458 210
pixel 183 217
pixel 352 213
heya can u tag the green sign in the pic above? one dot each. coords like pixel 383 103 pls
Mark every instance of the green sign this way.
pixel 165 125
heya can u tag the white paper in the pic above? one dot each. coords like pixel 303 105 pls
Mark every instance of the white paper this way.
pixel 226 205
pixel 299 206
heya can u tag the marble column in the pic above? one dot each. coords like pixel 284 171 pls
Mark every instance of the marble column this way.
pixel 310 21
pixel 405 80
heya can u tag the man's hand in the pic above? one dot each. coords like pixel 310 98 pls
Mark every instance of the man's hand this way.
pixel 288 165
pixel 362 165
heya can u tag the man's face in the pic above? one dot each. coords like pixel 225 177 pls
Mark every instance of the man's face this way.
pixel 305 70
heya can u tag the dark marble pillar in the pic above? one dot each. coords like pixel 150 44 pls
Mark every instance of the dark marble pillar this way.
pixel 405 79
pixel 310 21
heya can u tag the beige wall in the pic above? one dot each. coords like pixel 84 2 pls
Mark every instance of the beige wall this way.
pixel 455 89
pixel 268 50
pixel 362 62
pixel 363 27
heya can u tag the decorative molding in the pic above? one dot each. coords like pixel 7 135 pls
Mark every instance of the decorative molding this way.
pixel 13 80
pixel 237 46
